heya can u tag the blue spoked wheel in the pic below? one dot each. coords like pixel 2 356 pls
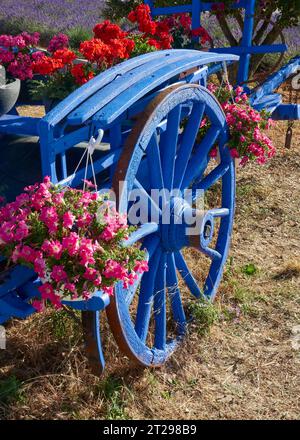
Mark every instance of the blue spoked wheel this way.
pixel 165 150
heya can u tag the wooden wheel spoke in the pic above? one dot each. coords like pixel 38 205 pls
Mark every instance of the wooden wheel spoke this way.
pixel 142 232
pixel 174 294
pixel 160 314
pixel 150 244
pixel 212 254
pixel 154 163
pixel 199 160
pixel 169 140
pixel 146 297
pixel 219 212
pixel 212 177
pixel 150 205
pixel 186 275
pixel 187 144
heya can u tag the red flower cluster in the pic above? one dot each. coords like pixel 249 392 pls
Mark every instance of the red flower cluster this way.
pixel 82 73
pixel 109 46
pixel 203 34
pixel 46 65
pixel 157 33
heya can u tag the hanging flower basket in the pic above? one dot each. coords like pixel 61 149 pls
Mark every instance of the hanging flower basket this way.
pixel 73 240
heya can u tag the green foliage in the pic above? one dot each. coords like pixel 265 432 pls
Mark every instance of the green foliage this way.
pixel 57 87
pixel 141 46
pixel 249 269
pixel 63 325
pixel 112 389
pixel 77 35
pixel 205 314
pixel 116 10
pixel 10 389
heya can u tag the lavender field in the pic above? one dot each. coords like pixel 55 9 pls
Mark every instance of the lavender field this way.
pixel 52 15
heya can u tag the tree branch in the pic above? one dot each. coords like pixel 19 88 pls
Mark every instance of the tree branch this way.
pixel 226 30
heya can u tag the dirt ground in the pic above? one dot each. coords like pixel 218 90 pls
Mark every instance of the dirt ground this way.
pixel 246 367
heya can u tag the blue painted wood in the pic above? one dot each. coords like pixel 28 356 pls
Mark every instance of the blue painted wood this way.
pixel 287 112
pixel 98 302
pixel 15 278
pixel 198 164
pixel 80 95
pixel 186 275
pixel 122 82
pixel 13 306
pixel 170 140
pixel 19 125
pixel 159 305
pixel 268 102
pixel 246 50
pixel 174 295
pixel 142 232
pixel 244 64
pixel 154 164
pixel 195 6
pixel 188 142
pixel 99 166
pixel 276 79
pixel 147 292
pixel 196 14
pixel 130 96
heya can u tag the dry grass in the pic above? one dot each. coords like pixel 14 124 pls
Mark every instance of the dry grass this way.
pixel 247 367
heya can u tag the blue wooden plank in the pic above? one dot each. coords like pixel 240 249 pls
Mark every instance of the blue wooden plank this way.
pixel 242 50
pixel 99 165
pixel 276 79
pixel 18 276
pixel 287 112
pixel 30 290
pixel 98 302
pixel 84 92
pixel 268 102
pixel 123 82
pixel 179 9
pixel 70 140
pixel 19 125
pixel 196 14
pixel 14 306
pixel 126 99
pixel 244 64
pixel 3 319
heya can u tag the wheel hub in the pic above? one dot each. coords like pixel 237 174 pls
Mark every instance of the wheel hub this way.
pixel 181 226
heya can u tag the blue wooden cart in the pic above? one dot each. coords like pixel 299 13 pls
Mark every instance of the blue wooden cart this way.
pixel 147 110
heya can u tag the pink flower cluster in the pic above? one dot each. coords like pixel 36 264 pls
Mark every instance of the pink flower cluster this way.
pixel 60 41
pixel 247 138
pixel 16 54
pixel 72 239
